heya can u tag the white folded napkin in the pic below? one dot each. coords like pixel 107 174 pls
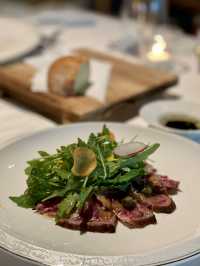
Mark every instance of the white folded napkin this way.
pixel 100 72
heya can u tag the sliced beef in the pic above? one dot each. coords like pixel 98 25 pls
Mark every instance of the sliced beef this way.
pixel 161 203
pixel 171 185
pixel 49 207
pixel 156 184
pixel 74 222
pixel 100 220
pixel 163 184
pixel 93 218
pixel 139 217
pixel 78 220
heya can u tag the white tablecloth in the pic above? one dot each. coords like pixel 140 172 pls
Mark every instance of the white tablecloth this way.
pixel 16 122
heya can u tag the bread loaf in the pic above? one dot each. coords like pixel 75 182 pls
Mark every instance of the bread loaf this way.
pixel 69 75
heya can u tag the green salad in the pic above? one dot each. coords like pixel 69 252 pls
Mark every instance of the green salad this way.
pixel 76 172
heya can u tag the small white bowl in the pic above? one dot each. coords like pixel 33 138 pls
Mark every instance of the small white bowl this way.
pixel 157 112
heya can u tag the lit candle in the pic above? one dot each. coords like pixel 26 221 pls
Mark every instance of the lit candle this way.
pixel 158 51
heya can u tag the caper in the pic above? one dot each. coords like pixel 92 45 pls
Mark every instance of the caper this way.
pixel 147 190
pixel 128 203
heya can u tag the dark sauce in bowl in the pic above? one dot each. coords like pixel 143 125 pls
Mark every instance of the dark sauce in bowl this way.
pixel 184 125
pixel 181 122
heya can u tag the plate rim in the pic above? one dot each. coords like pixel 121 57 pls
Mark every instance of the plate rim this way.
pixel 36 41
pixel 51 257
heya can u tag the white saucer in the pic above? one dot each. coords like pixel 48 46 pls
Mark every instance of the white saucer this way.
pixel 155 112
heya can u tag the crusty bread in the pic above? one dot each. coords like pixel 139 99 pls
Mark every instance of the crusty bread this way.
pixel 62 74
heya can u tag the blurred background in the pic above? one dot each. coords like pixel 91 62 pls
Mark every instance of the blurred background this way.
pixel 183 13
pixel 160 34
pixel 141 21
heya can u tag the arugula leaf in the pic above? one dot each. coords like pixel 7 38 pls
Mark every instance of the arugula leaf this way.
pixel 141 156
pixel 57 193
pixel 63 173
pixel 24 201
pixel 113 168
pixel 39 187
pixel 67 205
pixel 104 141
pixel 92 140
pixel 124 178
pixel 105 130
pixel 102 161
pixel 74 184
pixel 43 153
pixel 81 143
pixel 84 195
pixel 28 170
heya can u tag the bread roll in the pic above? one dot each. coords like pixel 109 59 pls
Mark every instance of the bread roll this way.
pixel 63 73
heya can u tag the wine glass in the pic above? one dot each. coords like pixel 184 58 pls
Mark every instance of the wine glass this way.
pixel 140 19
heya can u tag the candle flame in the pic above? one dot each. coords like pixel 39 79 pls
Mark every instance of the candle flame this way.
pixel 158 52
pixel 160 45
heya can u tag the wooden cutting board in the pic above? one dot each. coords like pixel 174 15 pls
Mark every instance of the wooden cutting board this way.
pixel 128 82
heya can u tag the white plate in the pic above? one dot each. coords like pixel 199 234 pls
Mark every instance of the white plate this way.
pixel 155 112
pixel 30 235
pixel 17 38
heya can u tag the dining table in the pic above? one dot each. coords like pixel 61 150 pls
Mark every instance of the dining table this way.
pixel 96 31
